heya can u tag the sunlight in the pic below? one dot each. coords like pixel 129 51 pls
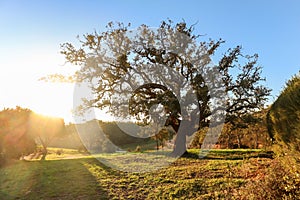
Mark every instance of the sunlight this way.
pixel 20 84
pixel 53 99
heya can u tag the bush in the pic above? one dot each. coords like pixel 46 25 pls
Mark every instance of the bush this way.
pixel 284 116
pixel 280 181
pixel 138 149
pixel 59 152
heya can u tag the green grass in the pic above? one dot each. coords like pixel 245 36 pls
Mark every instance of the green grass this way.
pixel 86 178
pixel 54 179
pixel 59 153
pixel 232 154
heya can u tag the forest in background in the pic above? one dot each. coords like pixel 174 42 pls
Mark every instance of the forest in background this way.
pixel 23 132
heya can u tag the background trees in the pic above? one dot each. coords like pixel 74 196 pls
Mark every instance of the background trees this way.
pixel 21 130
pixel 14 138
pixel 44 129
pixel 253 134
pixel 117 65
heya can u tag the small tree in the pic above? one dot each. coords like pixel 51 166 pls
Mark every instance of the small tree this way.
pixel 163 135
pixel 257 129
pixel 44 129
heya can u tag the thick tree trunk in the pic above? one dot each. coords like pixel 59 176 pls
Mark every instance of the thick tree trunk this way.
pixel 180 145
pixel 183 129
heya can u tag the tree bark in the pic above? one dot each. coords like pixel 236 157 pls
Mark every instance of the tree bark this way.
pixel 180 145
pixel 239 141
pixel 228 141
pixel 256 141
pixel 44 151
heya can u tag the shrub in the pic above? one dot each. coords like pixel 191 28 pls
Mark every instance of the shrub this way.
pixel 59 152
pixel 138 149
pixel 280 181
pixel 284 116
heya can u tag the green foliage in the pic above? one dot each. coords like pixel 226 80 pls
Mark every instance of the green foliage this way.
pixel 284 116
pixel 250 133
pixel 119 137
pixel 283 180
pixel 198 138
pixel 89 137
pixel 15 140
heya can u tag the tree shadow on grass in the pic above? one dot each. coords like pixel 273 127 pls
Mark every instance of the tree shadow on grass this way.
pixel 238 155
pixel 4 195
pixel 52 179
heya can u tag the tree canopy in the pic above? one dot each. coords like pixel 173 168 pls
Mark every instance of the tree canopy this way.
pixel 131 71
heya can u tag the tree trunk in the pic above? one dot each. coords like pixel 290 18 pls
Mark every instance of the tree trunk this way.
pixel 180 145
pixel 228 141
pixel 256 141
pixel 44 151
pixel 238 141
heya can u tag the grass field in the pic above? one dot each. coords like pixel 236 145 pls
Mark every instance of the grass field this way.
pixel 77 176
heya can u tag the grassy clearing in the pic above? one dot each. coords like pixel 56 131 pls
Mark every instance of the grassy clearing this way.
pixel 86 178
pixel 59 154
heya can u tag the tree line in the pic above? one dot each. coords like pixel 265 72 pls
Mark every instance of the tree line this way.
pixel 21 130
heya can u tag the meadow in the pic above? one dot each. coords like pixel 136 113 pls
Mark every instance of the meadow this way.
pixel 67 174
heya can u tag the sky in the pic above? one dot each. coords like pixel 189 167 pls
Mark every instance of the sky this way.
pixel 31 32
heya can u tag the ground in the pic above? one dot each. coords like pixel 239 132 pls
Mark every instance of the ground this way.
pixel 72 175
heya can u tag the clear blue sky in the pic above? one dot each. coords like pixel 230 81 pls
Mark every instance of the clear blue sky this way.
pixel 31 31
